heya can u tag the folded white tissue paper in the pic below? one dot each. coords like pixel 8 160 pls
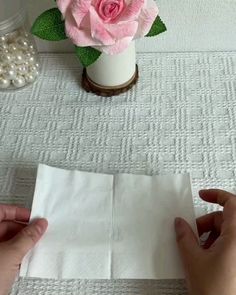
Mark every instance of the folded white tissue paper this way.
pixel 108 226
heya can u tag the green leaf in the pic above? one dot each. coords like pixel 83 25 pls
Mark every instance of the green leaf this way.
pixel 50 26
pixel 157 28
pixel 87 55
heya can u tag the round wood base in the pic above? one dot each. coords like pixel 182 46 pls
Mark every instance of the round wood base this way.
pixel 100 90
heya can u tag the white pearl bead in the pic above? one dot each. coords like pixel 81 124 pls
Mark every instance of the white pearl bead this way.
pixel 19 58
pixel 4 83
pixel 6 57
pixel 33 68
pixel 3 46
pixel 31 47
pixel 11 66
pixel 37 65
pixel 22 42
pixel 33 52
pixel 19 81
pixel 28 55
pixel 3 39
pixel 31 60
pixel 12 48
pixel 4 52
pixel 29 78
pixel 9 74
pixel 22 69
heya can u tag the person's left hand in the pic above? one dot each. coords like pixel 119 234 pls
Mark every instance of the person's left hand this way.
pixel 16 239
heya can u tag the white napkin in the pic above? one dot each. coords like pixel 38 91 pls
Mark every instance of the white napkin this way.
pixel 108 226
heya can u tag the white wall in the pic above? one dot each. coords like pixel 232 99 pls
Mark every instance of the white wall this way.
pixel 193 25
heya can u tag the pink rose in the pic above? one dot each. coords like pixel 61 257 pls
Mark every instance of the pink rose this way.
pixel 108 25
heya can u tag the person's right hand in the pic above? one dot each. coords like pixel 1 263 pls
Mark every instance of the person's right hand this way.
pixel 210 269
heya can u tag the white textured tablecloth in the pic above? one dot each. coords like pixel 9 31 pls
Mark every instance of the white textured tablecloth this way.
pixel 180 117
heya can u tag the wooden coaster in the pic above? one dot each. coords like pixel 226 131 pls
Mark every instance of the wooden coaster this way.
pixel 90 86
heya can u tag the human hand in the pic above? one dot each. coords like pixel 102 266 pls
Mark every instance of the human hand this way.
pixel 16 239
pixel 210 269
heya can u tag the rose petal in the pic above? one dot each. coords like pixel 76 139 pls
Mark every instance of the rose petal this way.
pixel 63 5
pixel 79 37
pixel 118 47
pixel 131 11
pixel 122 30
pixel 79 9
pixel 108 10
pixel 147 17
pixel 98 29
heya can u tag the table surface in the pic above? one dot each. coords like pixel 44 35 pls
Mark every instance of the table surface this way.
pixel 180 117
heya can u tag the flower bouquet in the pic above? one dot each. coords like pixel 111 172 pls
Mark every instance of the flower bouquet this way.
pixel 104 34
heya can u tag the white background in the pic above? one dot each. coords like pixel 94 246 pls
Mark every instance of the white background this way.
pixel 193 25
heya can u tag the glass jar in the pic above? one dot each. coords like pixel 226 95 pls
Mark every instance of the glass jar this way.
pixel 19 62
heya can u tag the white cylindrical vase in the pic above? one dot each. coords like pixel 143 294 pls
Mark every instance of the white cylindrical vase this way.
pixel 112 74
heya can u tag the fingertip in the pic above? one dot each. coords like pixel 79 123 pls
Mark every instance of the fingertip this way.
pixel 41 224
pixel 181 227
pixel 202 193
pixel 22 214
pixel 216 196
pixel 178 222
pixel 208 195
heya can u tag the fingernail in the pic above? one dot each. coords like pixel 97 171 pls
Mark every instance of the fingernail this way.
pixel 179 227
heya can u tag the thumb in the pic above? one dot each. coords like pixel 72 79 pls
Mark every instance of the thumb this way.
pixel 188 244
pixel 26 239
